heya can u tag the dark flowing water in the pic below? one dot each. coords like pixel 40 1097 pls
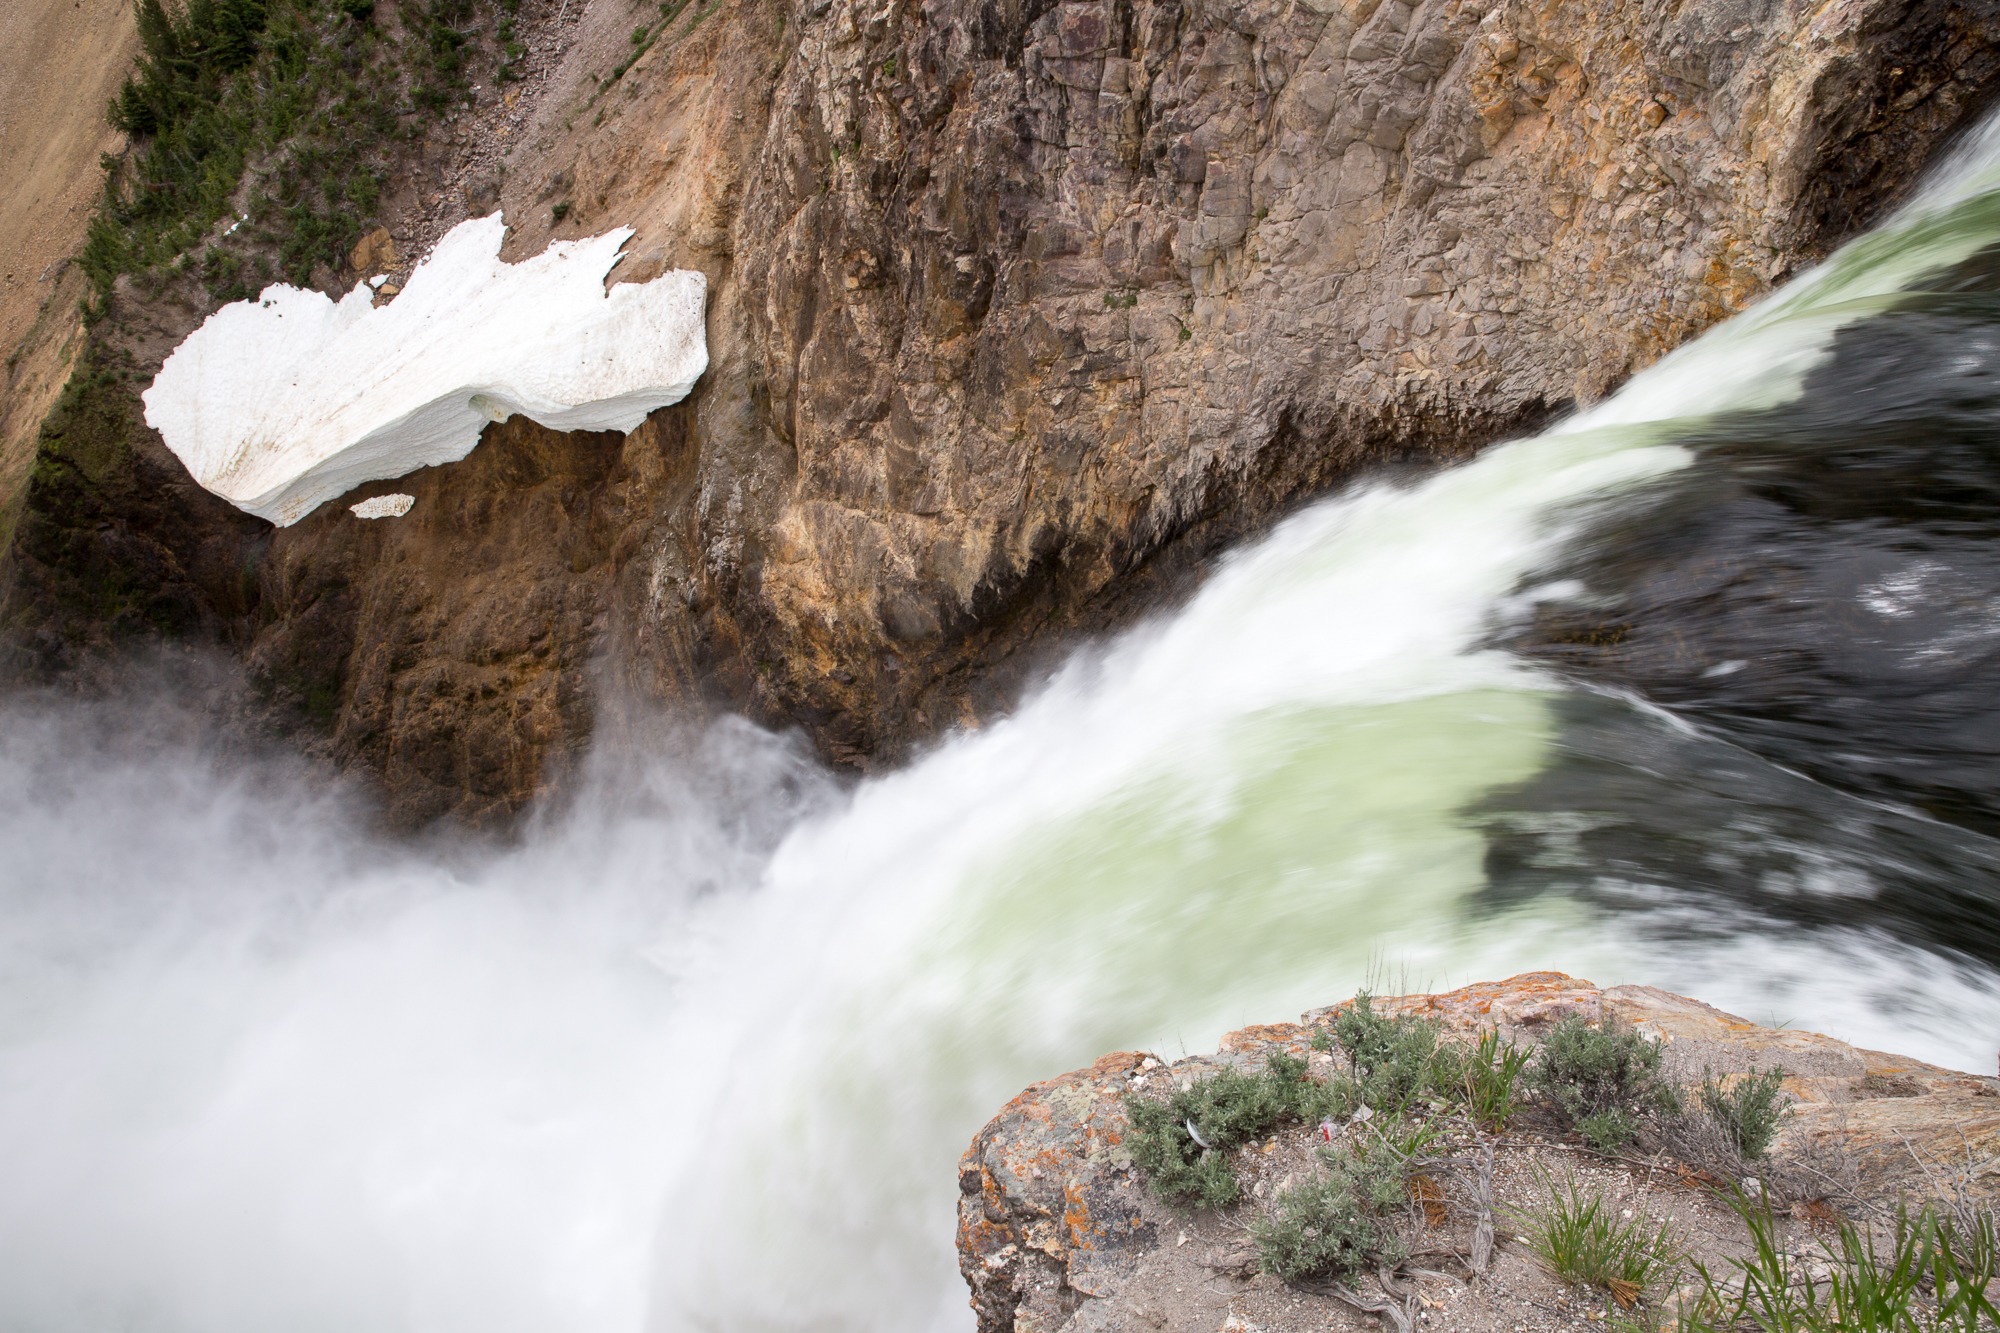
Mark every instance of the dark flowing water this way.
pixel 1815 606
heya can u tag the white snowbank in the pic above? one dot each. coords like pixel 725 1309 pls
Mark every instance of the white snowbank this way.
pixel 384 506
pixel 283 403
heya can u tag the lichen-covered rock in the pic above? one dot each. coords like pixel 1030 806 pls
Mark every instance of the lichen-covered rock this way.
pixel 1057 1230
pixel 1048 1209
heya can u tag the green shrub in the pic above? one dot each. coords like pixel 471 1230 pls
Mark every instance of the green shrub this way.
pixel 184 59
pixel 1933 1276
pixel 1608 1130
pixel 1600 1077
pixel 1180 1143
pixel 1749 1111
pixel 1580 1240
pixel 1333 1225
pixel 1391 1056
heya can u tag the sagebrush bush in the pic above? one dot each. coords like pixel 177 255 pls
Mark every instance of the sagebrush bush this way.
pixel 1180 1142
pixel 1748 1111
pixel 1600 1079
pixel 1391 1055
pixel 1608 1130
pixel 1334 1224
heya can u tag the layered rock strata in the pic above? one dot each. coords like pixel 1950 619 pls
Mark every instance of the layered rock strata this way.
pixel 1019 311
pixel 1057 1230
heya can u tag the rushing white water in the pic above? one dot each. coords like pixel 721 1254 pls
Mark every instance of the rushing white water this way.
pixel 701 1053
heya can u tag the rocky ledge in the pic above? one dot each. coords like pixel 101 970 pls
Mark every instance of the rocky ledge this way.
pixel 1060 1229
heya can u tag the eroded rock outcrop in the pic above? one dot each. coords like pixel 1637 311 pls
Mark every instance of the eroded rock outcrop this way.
pixel 1019 311
pixel 1058 1230
pixel 1045 297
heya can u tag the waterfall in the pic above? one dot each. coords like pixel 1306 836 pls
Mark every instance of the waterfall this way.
pixel 701 1052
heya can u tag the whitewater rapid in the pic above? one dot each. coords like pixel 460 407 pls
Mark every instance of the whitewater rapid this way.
pixel 701 1051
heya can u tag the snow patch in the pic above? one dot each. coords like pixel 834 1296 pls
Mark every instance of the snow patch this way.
pixel 283 403
pixel 384 506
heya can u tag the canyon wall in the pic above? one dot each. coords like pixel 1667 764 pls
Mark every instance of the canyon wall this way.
pixel 60 62
pixel 1019 312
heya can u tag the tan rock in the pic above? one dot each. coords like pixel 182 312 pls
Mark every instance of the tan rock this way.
pixel 373 253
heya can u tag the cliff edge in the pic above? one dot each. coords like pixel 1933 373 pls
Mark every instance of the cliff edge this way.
pixel 1077 1214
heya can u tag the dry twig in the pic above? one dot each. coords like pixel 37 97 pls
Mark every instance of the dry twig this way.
pixel 1482 1228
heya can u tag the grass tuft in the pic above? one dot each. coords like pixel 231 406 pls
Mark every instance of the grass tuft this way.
pixel 1485 1078
pixel 1932 1276
pixel 1578 1238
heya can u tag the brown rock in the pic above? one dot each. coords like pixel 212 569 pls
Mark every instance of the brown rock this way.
pixel 1013 323
pixel 482 195
pixel 373 253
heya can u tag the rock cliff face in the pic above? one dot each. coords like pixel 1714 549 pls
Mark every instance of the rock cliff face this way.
pixel 1058 1231
pixel 59 64
pixel 1020 310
